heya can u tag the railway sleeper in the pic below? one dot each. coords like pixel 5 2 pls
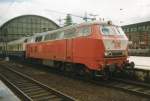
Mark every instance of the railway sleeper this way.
pixel 30 88
pixel 48 98
pixel 25 84
pixel 37 92
pixel 42 95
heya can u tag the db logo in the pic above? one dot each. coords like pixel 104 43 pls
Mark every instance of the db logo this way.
pixel 117 43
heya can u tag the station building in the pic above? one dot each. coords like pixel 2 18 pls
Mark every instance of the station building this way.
pixel 25 25
pixel 138 34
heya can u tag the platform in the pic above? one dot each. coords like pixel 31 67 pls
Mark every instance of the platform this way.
pixel 6 94
pixel 141 62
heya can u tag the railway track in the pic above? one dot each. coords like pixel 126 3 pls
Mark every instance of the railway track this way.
pixel 130 86
pixel 28 89
pixel 134 87
pixel 137 88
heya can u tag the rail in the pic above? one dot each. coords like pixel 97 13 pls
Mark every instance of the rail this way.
pixel 29 89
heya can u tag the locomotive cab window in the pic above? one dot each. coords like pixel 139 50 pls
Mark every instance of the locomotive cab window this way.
pixel 55 35
pixel 84 31
pixel 52 36
pixel 111 30
pixel 107 30
pixel 120 30
pixel 70 33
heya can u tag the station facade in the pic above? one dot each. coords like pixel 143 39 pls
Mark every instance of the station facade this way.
pixel 138 34
pixel 25 25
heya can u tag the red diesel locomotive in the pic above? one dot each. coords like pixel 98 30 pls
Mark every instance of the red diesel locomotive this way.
pixel 91 47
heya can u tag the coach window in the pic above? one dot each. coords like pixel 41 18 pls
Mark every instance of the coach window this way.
pixel 38 39
pixel 52 36
pixel 48 37
pixel 70 33
pixel 20 47
pixel 17 47
pixel 25 41
pixel 28 40
pixel 61 34
pixel 55 36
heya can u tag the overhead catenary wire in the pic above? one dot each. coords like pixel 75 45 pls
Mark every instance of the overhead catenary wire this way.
pixel 74 15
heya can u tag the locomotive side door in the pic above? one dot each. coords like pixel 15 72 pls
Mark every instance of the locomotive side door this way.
pixel 69 50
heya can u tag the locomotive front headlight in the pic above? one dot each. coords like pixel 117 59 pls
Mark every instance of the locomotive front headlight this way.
pixel 108 53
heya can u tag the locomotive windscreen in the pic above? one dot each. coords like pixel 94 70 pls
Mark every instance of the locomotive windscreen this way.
pixel 111 30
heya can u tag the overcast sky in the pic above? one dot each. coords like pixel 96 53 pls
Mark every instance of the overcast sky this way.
pixel 119 11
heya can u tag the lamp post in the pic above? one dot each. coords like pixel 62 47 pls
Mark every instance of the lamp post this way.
pixel 121 13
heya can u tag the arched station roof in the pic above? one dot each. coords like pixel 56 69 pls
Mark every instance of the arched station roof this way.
pixel 25 25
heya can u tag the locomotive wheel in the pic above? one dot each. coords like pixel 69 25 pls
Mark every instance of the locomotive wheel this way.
pixel 81 72
pixel 68 67
pixel 107 74
pixel 86 73
pixel 57 64
pixel 62 67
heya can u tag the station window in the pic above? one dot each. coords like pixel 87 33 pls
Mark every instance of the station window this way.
pixel 148 28
pixel 127 29
pixel 134 29
pixel 143 28
pixel 49 29
pixel 140 28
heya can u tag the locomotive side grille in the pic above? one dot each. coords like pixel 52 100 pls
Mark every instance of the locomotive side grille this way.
pixel 117 53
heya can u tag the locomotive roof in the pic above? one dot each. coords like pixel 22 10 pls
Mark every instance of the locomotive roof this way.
pixel 60 29
pixel 71 26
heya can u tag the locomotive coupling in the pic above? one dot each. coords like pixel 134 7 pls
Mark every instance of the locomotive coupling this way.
pixel 130 65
